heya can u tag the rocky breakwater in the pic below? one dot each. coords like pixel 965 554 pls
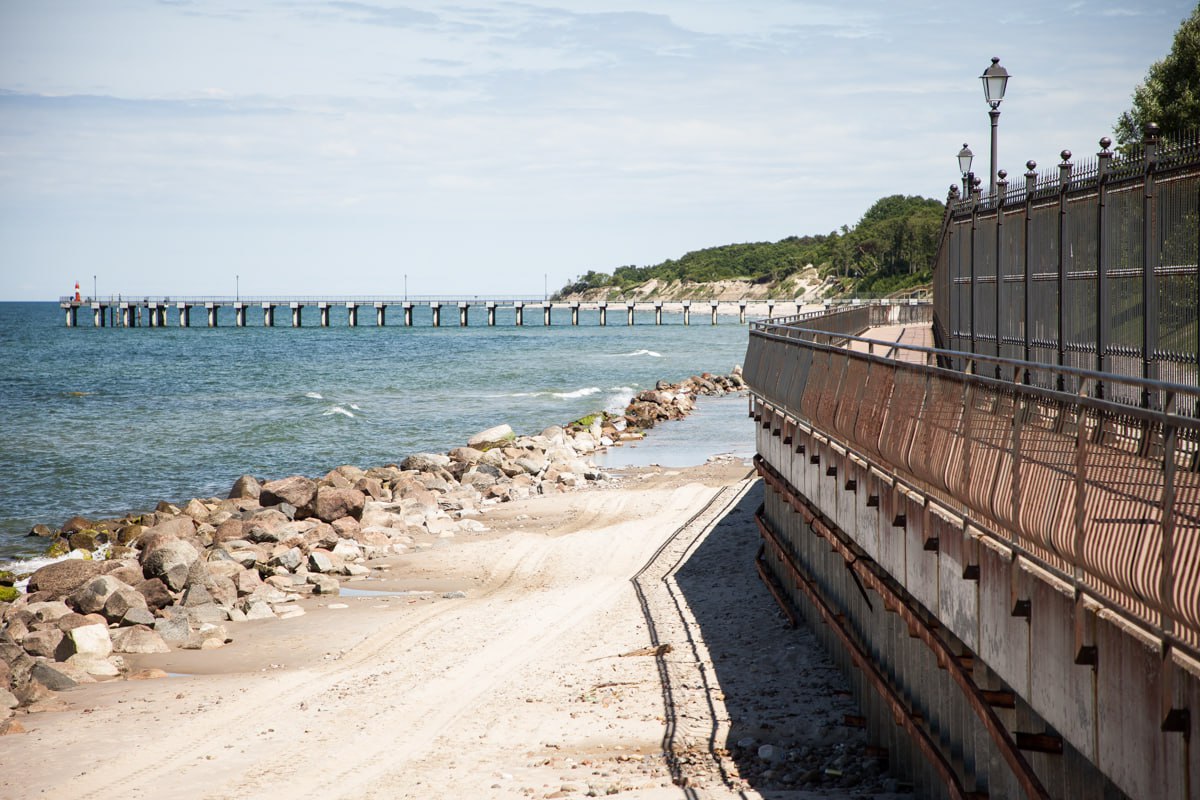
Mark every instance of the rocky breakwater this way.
pixel 184 576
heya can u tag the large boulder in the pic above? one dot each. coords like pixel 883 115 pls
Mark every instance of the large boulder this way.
pixel 91 597
pixel 91 641
pixel 63 577
pixel 296 491
pixel 170 561
pixel 246 487
pixel 138 639
pixel 491 436
pixel 333 503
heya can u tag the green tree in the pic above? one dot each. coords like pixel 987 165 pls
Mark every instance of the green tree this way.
pixel 1170 96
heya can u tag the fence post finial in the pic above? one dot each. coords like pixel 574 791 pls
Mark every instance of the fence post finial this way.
pixel 1001 186
pixel 1105 157
pixel 1064 170
pixel 1150 143
pixel 1030 177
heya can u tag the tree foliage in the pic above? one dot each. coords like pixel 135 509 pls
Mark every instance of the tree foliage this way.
pixel 891 247
pixel 1170 95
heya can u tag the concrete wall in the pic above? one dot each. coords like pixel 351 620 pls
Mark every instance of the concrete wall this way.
pixel 1076 671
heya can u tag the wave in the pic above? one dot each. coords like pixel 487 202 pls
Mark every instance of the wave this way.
pixel 314 395
pixel 586 391
pixel 338 410
pixel 643 352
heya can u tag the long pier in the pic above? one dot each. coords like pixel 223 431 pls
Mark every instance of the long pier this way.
pixel 156 312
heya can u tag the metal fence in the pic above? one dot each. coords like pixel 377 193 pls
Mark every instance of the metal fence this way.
pixel 1093 265
pixel 1104 494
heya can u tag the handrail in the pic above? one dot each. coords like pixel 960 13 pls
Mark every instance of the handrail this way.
pixel 1102 493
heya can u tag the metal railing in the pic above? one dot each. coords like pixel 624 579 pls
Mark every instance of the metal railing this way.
pixel 1092 265
pixel 1103 494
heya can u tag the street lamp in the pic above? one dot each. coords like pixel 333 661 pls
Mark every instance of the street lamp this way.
pixel 965 157
pixel 995 81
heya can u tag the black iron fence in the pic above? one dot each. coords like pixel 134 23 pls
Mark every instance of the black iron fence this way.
pixel 1092 265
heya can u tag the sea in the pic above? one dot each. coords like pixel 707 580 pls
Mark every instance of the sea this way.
pixel 104 421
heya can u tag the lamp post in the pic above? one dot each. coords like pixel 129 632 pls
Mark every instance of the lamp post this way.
pixel 965 156
pixel 237 288
pixel 995 81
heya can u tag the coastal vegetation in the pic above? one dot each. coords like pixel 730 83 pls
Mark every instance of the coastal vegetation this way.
pixel 890 249
pixel 1170 95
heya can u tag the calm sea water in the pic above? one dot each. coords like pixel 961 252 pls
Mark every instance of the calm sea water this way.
pixel 104 421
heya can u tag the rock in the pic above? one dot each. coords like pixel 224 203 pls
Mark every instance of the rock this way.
pixel 197 510
pixel 92 666
pixel 232 528
pixel 291 611
pixel 207 637
pixel 332 503
pixel 8 700
pixel 91 597
pixel 320 561
pixel 155 592
pixel 247 581
pixel 499 433
pixel 48 610
pixel 196 595
pixel 63 577
pixel 296 491
pixel 425 462
pixel 289 559
pixel 44 531
pixel 178 527
pixel 170 561
pixel 44 643
pixel 89 640
pixel 121 601
pixel 137 616
pixel 52 676
pixel 222 590
pixel 138 639
pixel 348 550
pixel 324 584
pixel 246 487
pixel 174 630
pixel 257 609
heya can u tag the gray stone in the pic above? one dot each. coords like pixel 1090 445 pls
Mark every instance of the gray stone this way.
pixel 171 561
pixel 138 639
pixel 257 609
pixel 289 559
pixel 247 581
pixel 333 503
pixel 91 596
pixel 63 577
pixel 121 601
pixel 137 616
pixel 296 491
pixel 173 630
pixel 320 561
pixel 207 637
pixel 48 610
pixel 246 487
pixel 44 643
pixel 492 435
pixel 52 676
pixel 324 584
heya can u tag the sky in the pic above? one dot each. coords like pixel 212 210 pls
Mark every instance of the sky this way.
pixel 288 147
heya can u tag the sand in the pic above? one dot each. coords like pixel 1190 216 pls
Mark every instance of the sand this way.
pixel 606 641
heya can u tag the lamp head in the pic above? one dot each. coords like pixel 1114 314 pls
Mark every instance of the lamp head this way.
pixel 995 81
pixel 964 159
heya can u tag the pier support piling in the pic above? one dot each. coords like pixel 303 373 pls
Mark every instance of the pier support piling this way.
pixel 629 314
pixel 574 313
pixel 546 314
pixel 380 314
pixel 603 314
pixel 72 315
pixel 491 312
pixel 463 313
pixel 239 315
pixel 185 315
pixel 658 312
pixel 687 312
pixel 352 314
pixel 323 308
pixel 519 309
pixel 436 309
pixel 714 305
pixel 297 310
pixel 268 315
pixel 408 314
pixel 770 308
pixel 97 315
pixel 741 312
pixel 128 318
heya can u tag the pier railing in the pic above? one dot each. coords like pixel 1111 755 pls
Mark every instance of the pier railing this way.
pixel 1104 495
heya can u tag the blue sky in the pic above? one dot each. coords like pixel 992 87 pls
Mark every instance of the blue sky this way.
pixel 492 147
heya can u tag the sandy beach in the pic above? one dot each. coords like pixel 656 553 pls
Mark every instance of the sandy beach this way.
pixel 613 640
